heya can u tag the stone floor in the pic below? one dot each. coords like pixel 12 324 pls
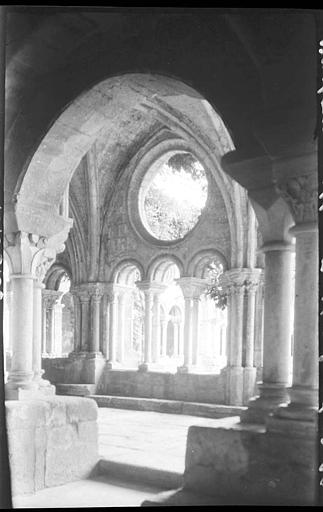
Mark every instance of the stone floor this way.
pixel 100 492
pixel 150 439
pixel 138 438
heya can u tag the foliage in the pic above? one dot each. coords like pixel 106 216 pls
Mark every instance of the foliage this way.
pixel 215 290
pixel 169 215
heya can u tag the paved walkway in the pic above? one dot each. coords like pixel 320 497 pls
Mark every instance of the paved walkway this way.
pixel 149 439
pixel 100 492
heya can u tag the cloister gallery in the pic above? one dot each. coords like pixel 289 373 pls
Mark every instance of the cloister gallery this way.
pixel 161 239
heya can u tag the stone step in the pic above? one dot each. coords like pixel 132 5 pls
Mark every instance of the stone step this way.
pixel 139 474
pixel 75 389
pixel 167 406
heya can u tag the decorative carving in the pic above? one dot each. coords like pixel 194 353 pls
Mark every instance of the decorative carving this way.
pixel 42 268
pixel 300 193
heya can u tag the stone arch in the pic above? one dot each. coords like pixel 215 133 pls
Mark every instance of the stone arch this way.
pixel 126 272
pixel 71 136
pixel 198 263
pixel 163 267
pixel 54 275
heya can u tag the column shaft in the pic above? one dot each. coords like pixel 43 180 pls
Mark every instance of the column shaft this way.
pixel 188 333
pixel 148 325
pixel 37 330
pixel 195 329
pixel 113 322
pixel 21 372
pixel 95 340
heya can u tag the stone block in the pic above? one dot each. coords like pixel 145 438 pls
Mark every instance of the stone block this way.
pixel 250 465
pixel 51 441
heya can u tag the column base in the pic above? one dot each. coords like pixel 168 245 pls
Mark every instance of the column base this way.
pixel 185 368
pixel 233 384
pixel 94 355
pixel 298 417
pixel 259 407
pixel 112 365
pixel 43 385
pixel 249 381
pixel 77 355
pixel 144 367
pixel 30 393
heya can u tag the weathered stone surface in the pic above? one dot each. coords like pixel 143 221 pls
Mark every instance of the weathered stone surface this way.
pixel 167 406
pixel 167 386
pixel 51 441
pixel 249 464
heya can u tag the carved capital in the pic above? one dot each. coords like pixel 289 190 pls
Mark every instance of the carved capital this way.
pixel 238 280
pixel 301 195
pixel 50 298
pixel 192 287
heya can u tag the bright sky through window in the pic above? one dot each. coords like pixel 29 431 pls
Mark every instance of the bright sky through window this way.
pixel 175 197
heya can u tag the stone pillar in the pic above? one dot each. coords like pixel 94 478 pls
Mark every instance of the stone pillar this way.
pixel 157 289
pixel 250 370
pixel 38 333
pixel 195 326
pixel 299 416
pixel 277 332
pixel 259 328
pixel 85 319
pixel 30 256
pixel 53 309
pixel 58 328
pixel 21 372
pixel 240 377
pixel 113 327
pixel 176 338
pixel 146 288
pixel 192 289
pixel 156 329
pixel 164 338
pixel 95 292
pixel 122 295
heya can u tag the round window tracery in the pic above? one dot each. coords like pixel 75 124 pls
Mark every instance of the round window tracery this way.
pixel 173 195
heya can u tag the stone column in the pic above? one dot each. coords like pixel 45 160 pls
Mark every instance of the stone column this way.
pixel 146 288
pixel 21 372
pixel 95 291
pixel 122 295
pixel 54 334
pixel 38 333
pixel 232 283
pixel 299 417
pixel 156 329
pixel 259 329
pixel 58 328
pixel 113 328
pixel 164 337
pixel 277 332
pixel 240 374
pixel 195 325
pixel 176 338
pixel 192 288
pixel 85 317
pixel 30 256
pixel 250 370
pixel 157 289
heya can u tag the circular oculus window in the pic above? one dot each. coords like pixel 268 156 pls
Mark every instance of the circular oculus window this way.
pixel 173 195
